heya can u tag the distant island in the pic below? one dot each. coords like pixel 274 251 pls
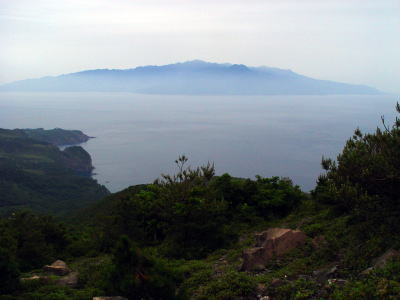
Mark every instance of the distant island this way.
pixel 57 136
pixel 191 78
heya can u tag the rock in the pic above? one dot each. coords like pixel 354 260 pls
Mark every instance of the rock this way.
pixel 70 280
pixel 271 243
pixel 57 268
pixel 36 277
pixel 389 255
pixel 276 282
pixel 324 274
pixel 382 260
pixel 110 298
pixel 367 271
pixel 261 288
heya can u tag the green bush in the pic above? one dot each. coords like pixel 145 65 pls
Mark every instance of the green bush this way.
pixel 229 286
pixel 138 276
pixel 365 180
pixel 9 273
pixel 192 213
pixel 36 240
pixel 382 284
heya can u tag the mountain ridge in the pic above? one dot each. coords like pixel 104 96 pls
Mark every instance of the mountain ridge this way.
pixel 190 77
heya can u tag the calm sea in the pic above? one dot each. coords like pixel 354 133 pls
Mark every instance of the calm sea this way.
pixel 138 137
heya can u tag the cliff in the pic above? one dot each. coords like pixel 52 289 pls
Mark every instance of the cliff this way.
pixel 39 176
pixel 77 159
pixel 57 136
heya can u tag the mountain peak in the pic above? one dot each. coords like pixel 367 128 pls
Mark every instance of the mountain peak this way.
pixel 191 77
pixel 195 62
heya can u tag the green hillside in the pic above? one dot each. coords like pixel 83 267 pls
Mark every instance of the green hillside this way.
pixel 38 176
pixel 57 136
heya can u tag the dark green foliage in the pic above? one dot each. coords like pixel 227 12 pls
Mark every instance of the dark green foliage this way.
pixel 136 276
pixel 193 212
pixel 364 184
pixel 381 284
pixel 9 273
pixel 365 181
pixel 48 291
pixel 37 175
pixel 264 197
pixel 34 240
pixel 57 136
pixel 231 285
pixel 297 290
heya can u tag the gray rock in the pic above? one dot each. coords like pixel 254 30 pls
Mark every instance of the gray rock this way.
pixel 381 261
pixel 324 274
pixel 57 268
pixel 389 255
pixel 36 277
pixel 70 280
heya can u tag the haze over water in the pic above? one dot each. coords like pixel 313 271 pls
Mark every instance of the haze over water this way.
pixel 139 136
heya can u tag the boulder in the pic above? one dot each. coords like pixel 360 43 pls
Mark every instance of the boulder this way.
pixel 70 280
pixel 57 268
pixel 271 243
pixel 326 273
pixel 276 282
pixel 35 277
pixel 382 260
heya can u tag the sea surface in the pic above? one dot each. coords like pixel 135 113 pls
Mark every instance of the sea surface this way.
pixel 138 137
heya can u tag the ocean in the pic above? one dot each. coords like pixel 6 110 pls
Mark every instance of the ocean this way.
pixel 138 137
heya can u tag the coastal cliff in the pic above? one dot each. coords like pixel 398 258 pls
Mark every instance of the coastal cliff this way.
pixel 57 136
pixel 38 176
pixel 78 160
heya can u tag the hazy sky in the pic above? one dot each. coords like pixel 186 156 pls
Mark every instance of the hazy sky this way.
pixel 354 41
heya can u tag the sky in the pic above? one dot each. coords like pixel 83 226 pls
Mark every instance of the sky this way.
pixel 353 41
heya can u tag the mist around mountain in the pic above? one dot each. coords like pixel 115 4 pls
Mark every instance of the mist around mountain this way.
pixel 192 77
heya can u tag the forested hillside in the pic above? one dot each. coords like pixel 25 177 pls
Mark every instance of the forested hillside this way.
pixel 37 175
pixel 57 136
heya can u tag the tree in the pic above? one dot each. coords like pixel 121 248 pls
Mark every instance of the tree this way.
pixel 365 179
pixel 9 272
pixel 137 276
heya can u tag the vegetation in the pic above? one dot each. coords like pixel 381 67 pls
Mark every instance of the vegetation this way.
pixel 57 136
pixel 192 213
pixel 182 237
pixel 38 176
